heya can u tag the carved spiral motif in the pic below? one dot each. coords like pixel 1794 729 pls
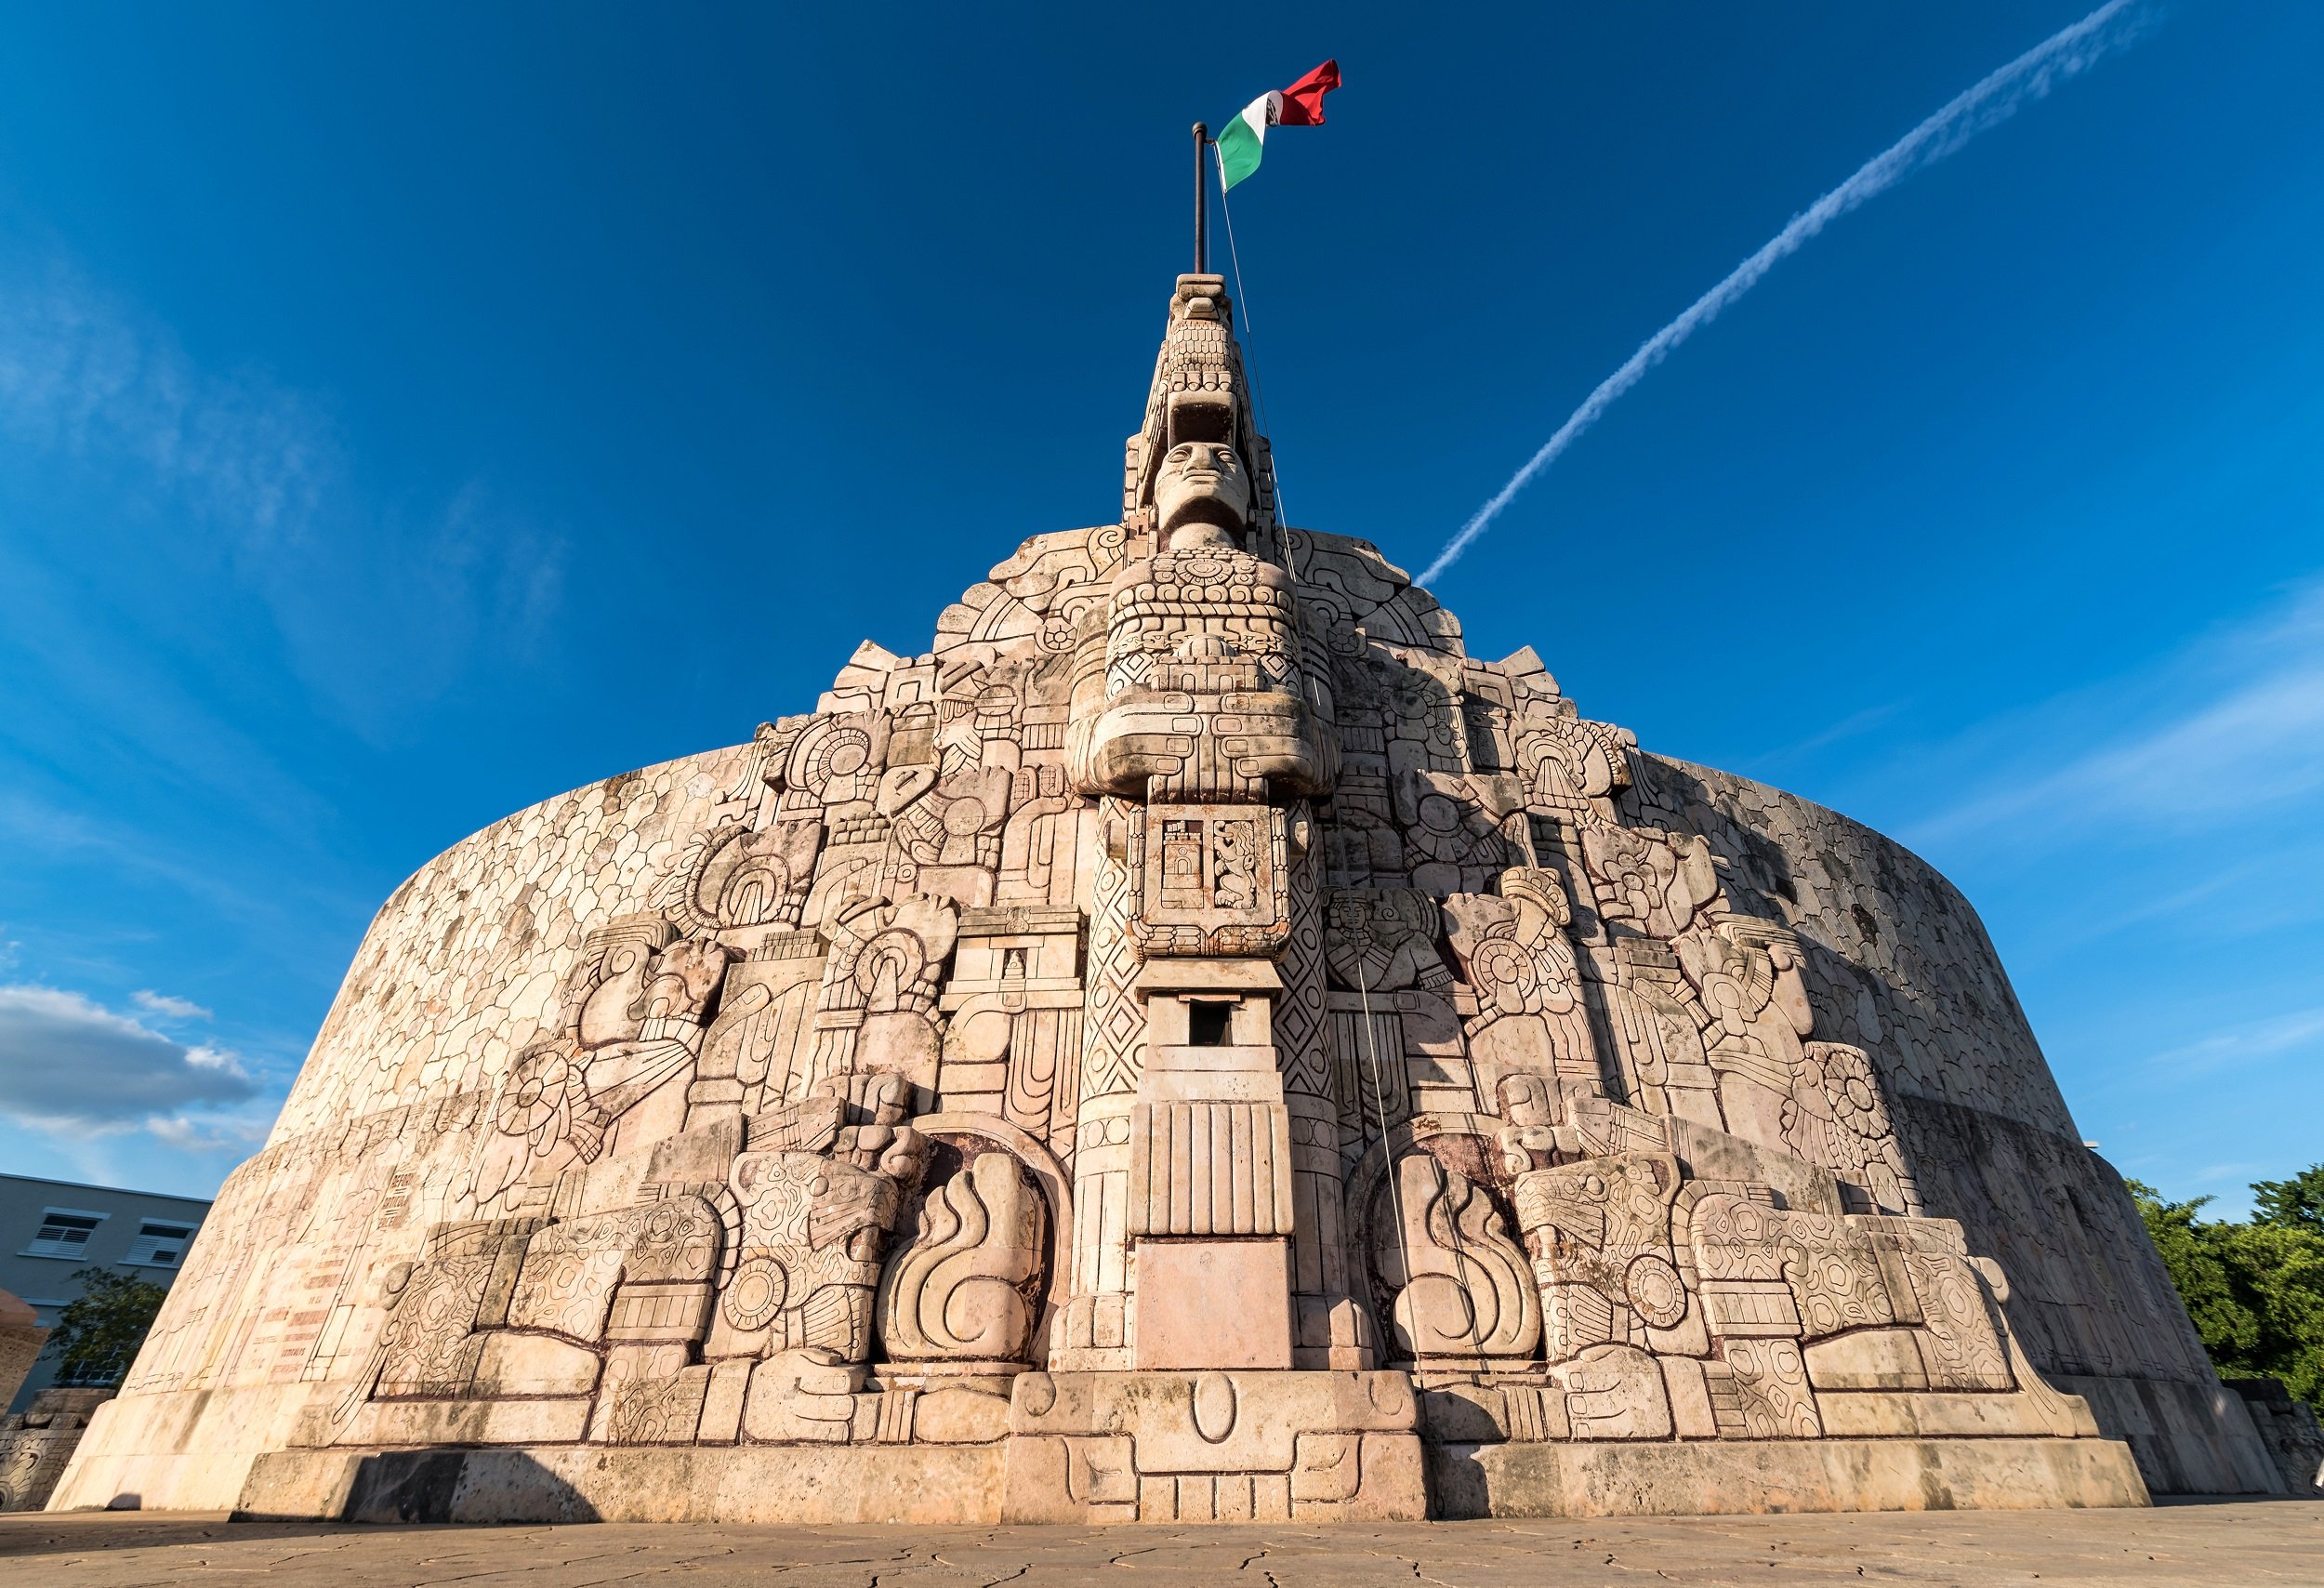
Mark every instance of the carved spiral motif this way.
pixel 16 1479
pixel 840 752
pixel 1656 1289
pixel 535 1093
pixel 1500 963
pixel 889 962
pixel 756 1294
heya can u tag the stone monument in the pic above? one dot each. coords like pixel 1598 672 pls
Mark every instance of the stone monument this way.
pixel 22 1338
pixel 1193 1044
pixel 34 1443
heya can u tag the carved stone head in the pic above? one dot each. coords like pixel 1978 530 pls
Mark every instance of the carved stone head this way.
pixel 1201 494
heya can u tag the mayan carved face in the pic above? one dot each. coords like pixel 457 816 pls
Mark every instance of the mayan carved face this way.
pixel 1202 491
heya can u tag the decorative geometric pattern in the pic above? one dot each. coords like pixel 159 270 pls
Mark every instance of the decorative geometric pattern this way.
pixel 1193 886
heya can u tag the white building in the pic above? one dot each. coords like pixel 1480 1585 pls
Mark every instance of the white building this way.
pixel 52 1229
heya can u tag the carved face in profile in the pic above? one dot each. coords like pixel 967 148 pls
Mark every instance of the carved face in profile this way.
pixel 1201 486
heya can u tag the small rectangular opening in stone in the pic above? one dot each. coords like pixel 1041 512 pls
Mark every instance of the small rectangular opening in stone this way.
pixel 1206 1024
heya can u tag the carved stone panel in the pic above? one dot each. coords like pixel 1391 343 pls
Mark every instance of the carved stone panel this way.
pixel 1050 1078
pixel 1462 1287
pixel 1208 881
pixel 963 1289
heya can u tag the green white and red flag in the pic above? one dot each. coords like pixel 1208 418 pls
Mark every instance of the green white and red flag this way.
pixel 1244 139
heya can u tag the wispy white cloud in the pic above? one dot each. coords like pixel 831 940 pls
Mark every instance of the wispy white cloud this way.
pixel 1847 727
pixel 209 1135
pixel 2293 1031
pixel 2231 728
pixel 70 1065
pixel 78 375
pixel 2140 846
pixel 1990 102
pixel 270 905
pixel 167 1007
pixel 382 604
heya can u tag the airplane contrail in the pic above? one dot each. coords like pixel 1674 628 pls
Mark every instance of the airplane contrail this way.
pixel 1993 99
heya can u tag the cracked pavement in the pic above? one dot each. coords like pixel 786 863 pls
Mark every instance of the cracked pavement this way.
pixel 2255 1541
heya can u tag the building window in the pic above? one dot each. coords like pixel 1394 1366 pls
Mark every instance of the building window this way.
pixel 158 1245
pixel 64 1232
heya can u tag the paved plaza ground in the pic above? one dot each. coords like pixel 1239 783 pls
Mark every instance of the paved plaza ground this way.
pixel 2279 1542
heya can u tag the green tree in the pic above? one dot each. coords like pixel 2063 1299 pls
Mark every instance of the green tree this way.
pixel 2294 1204
pixel 2255 1290
pixel 98 1333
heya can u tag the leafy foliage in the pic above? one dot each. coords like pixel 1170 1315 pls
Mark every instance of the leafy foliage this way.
pixel 2255 1290
pixel 2297 1203
pixel 98 1333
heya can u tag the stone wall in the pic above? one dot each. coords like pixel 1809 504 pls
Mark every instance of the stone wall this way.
pixel 2289 1430
pixel 462 966
pixel 459 972
pixel 1198 1045
pixel 1899 965
pixel 37 1444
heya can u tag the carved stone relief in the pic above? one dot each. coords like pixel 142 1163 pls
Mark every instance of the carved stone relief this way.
pixel 965 1288
pixel 1193 952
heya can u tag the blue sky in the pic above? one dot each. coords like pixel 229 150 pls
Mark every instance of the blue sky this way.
pixel 405 415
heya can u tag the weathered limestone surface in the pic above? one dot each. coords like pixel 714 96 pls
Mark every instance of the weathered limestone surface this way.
pixel 2176 1545
pixel 1790 1475
pixel 1899 965
pixel 36 1444
pixel 20 1340
pixel 2288 1429
pixel 1194 1045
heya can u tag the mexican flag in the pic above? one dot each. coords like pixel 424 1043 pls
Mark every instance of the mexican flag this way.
pixel 1244 138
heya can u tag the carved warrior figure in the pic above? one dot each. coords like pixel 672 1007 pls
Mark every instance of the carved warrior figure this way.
pixel 1192 974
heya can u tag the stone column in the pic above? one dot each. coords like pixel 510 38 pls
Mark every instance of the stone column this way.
pixel 1210 1205
pixel 1092 1330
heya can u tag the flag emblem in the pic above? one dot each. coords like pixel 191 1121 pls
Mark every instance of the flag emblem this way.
pixel 1244 138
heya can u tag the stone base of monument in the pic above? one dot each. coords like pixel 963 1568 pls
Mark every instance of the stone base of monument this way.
pixel 1739 1478
pixel 1239 1447
pixel 930 1484
pixel 1371 1476
pixel 1259 1446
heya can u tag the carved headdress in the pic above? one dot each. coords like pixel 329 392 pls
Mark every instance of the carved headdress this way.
pixel 1200 393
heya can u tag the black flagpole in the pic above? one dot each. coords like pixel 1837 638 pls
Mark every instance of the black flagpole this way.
pixel 1202 204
